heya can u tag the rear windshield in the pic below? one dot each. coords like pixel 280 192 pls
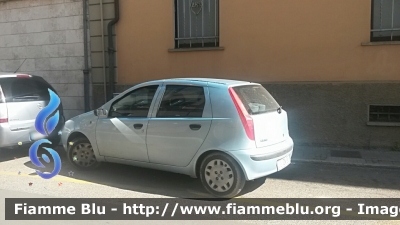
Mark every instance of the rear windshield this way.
pixel 25 89
pixel 256 99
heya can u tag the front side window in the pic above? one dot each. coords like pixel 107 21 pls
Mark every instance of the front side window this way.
pixel 182 101
pixel 385 20
pixel 196 23
pixel 135 104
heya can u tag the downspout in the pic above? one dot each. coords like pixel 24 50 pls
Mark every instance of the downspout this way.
pixel 86 70
pixel 111 51
pixel 103 51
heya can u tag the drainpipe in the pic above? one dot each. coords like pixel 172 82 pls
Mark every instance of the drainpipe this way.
pixel 103 51
pixel 86 70
pixel 111 51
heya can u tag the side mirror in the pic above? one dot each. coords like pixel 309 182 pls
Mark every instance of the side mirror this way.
pixel 100 112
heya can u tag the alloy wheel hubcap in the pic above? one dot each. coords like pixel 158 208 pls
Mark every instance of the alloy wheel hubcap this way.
pixel 219 175
pixel 83 155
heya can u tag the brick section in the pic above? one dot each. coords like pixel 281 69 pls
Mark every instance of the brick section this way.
pixel 48 34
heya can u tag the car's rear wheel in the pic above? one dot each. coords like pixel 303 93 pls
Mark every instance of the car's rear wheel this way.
pixel 221 175
pixel 81 154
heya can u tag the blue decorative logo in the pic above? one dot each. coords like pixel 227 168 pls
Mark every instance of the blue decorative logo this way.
pixel 46 126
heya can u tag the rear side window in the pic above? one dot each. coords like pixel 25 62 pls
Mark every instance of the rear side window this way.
pixel 256 99
pixel 182 101
pixel 25 90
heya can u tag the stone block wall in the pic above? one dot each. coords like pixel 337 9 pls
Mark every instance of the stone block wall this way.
pixel 48 36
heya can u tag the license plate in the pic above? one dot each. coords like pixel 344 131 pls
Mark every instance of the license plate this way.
pixel 282 163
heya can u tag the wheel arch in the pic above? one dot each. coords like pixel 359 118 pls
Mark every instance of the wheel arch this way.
pixel 75 135
pixel 205 154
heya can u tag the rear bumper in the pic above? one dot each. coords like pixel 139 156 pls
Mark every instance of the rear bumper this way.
pixel 260 162
pixel 65 132
pixel 9 138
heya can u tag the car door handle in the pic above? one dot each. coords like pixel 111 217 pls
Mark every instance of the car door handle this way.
pixel 195 126
pixel 138 126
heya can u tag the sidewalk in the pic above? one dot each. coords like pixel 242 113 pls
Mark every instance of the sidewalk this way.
pixel 347 156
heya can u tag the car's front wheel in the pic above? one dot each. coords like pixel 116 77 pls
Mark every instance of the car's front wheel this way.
pixel 221 175
pixel 81 154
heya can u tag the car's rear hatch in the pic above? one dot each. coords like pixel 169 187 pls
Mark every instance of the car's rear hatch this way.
pixel 25 97
pixel 270 124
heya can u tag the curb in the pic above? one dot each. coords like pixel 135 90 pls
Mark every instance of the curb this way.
pixel 346 164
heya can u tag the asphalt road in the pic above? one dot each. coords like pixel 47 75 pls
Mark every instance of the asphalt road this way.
pixel 120 181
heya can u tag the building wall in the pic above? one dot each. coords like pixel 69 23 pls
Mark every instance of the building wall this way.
pixel 101 12
pixel 336 113
pixel 264 41
pixel 313 56
pixel 48 34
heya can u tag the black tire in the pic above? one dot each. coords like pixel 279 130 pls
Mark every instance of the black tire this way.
pixel 223 185
pixel 80 153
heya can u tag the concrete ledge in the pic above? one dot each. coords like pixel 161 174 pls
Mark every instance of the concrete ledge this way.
pixel 380 43
pixel 372 165
pixel 196 49
pixel 383 124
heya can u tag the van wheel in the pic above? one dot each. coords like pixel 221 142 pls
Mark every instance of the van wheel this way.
pixel 221 175
pixel 81 154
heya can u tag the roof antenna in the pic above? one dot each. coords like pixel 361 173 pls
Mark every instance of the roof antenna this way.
pixel 20 66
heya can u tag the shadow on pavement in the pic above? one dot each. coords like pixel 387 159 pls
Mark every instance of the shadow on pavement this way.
pixel 182 186
pixel 7 154
pixel 127 177
pixel 355 176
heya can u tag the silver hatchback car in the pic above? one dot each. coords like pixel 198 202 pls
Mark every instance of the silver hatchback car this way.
pixel 224 131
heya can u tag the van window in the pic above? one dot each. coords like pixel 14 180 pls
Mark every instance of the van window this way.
pixel 25 89
pixel 256 99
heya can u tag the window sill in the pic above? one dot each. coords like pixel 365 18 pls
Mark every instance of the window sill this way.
pixel 380 43
pixel 196 49
pixel 383 124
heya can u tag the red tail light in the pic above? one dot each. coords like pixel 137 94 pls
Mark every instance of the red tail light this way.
pixel 247 121
pixel 3 120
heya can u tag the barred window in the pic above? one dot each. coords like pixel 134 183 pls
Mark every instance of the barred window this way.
pixel 385 114
pixel 196 23
pixel 385 24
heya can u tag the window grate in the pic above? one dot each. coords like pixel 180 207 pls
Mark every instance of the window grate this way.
pixel 196 23
pixel 386 114
pixel 385 21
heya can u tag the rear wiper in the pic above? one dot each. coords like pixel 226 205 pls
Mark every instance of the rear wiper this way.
pixel 26 97
pixel 279 110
